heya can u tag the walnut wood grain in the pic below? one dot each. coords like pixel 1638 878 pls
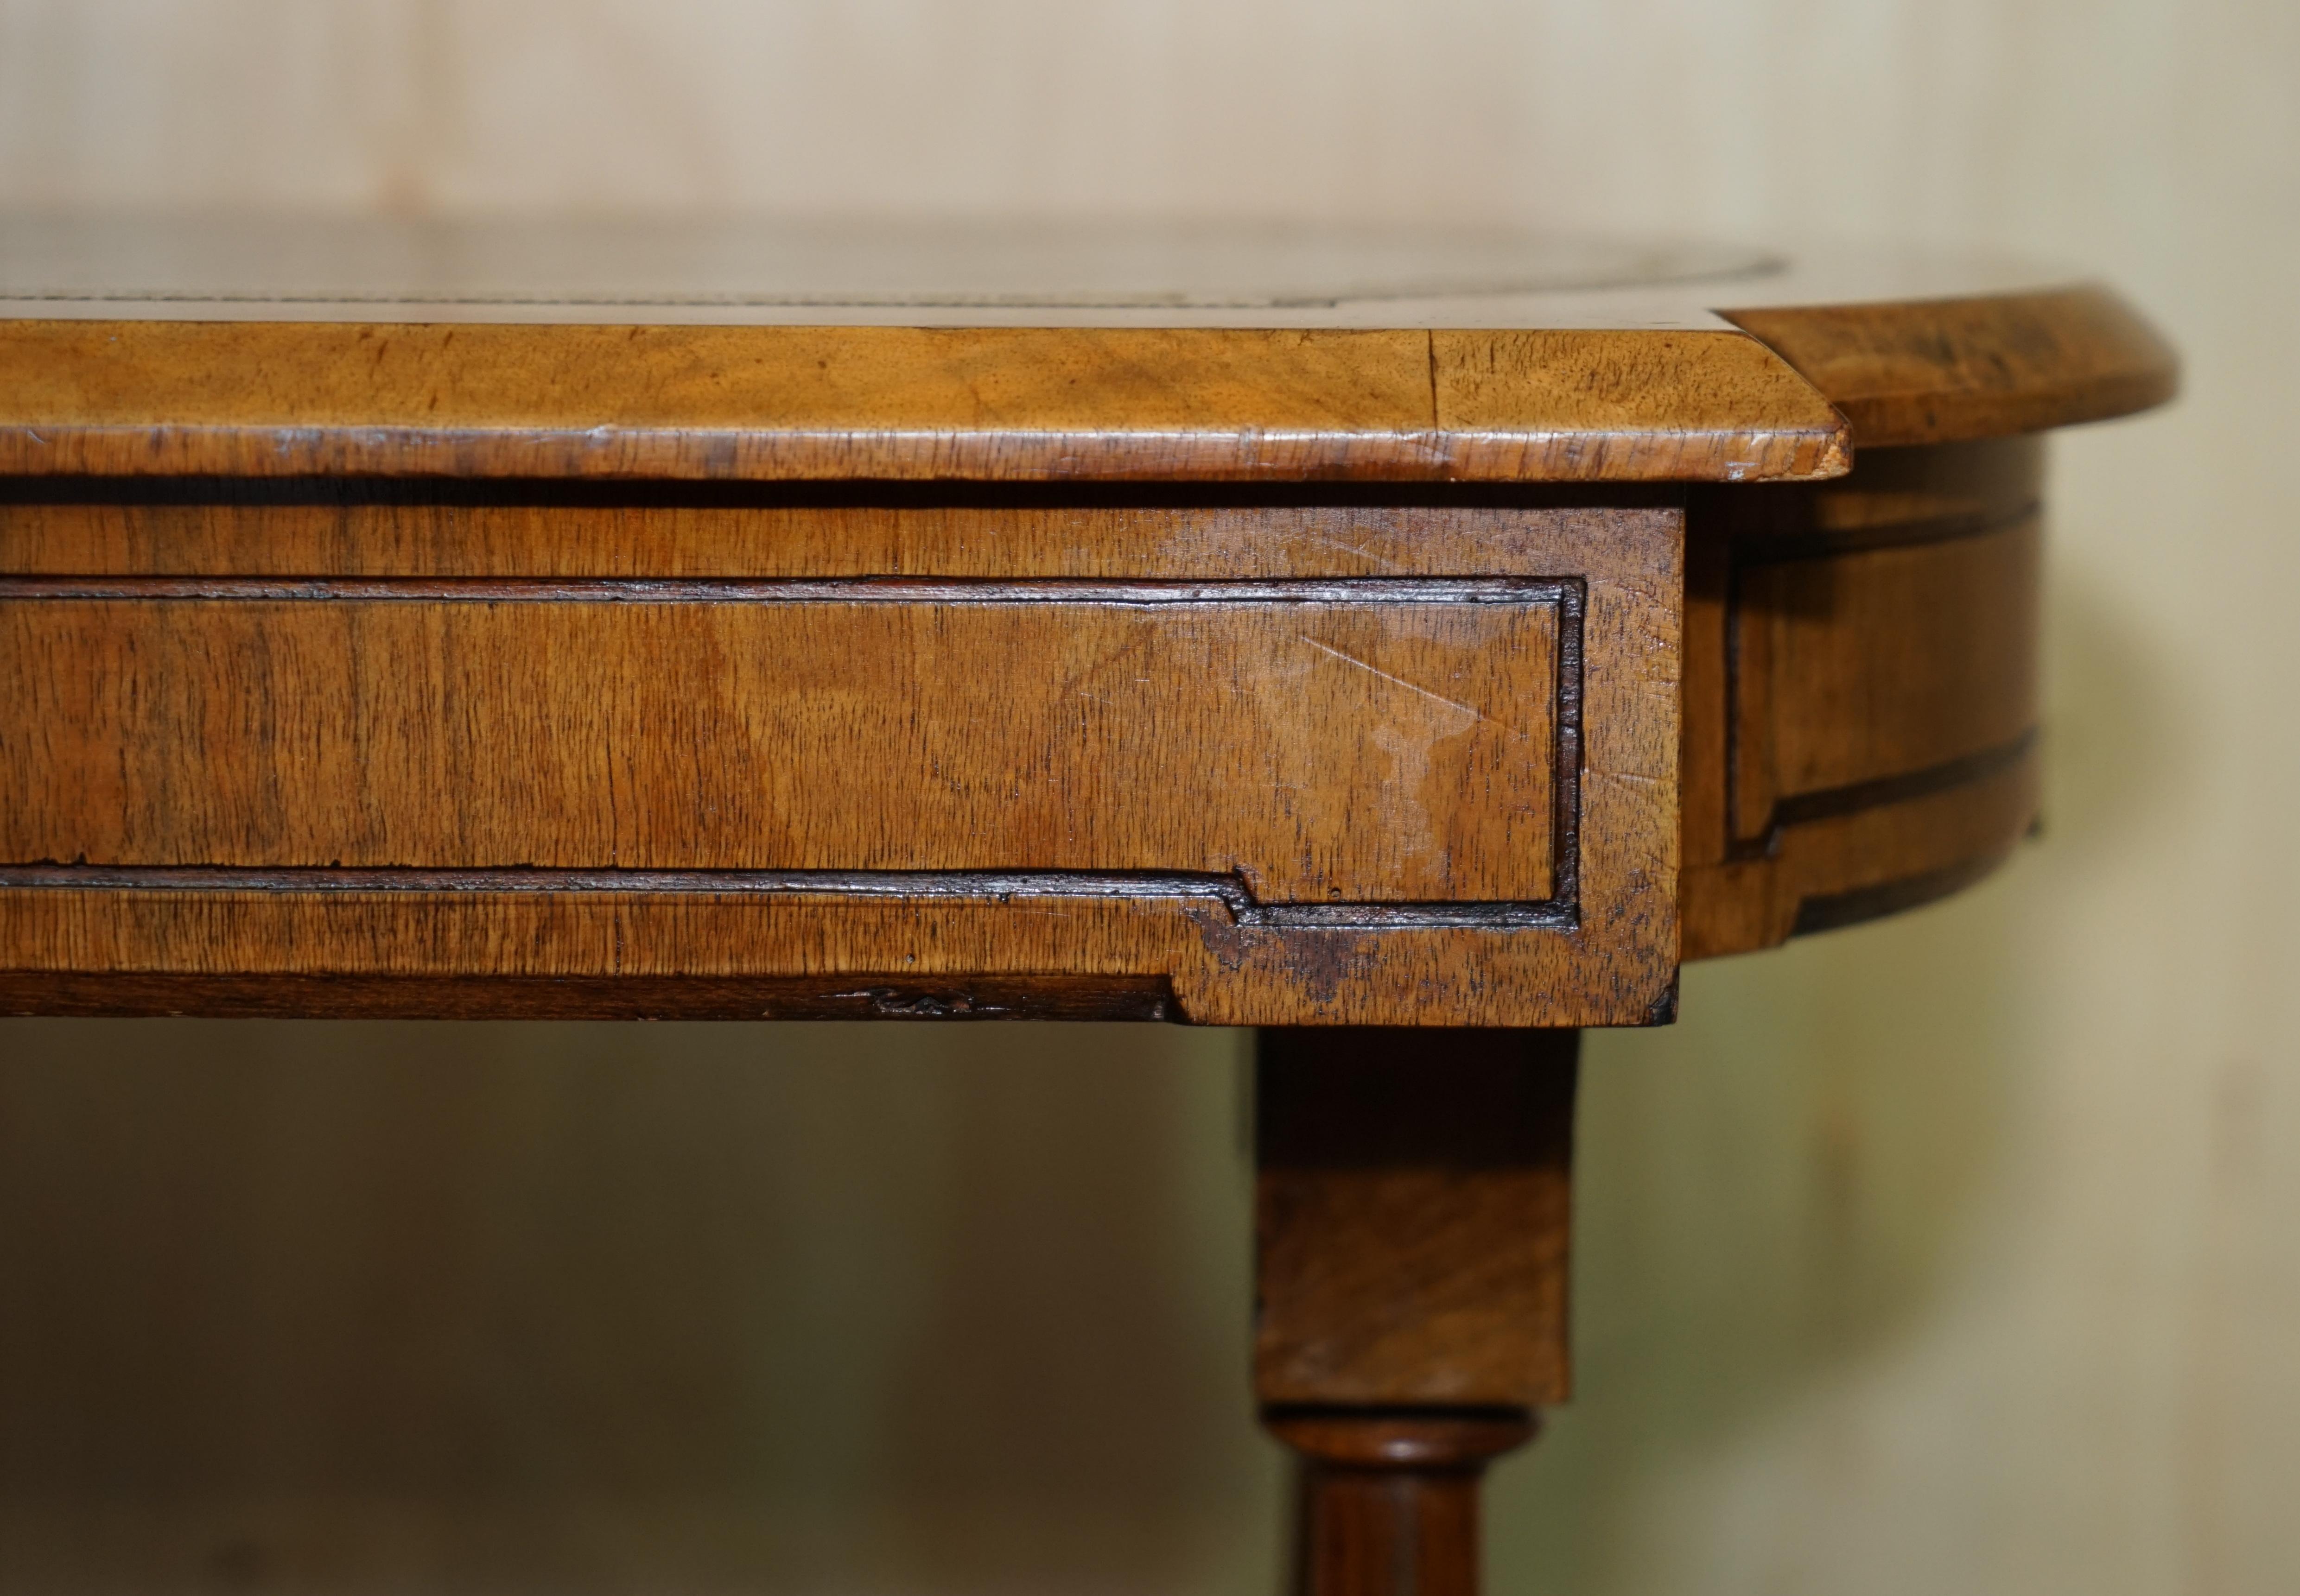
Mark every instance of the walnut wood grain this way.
pixel 1861 691
pixel 1377 742
pixel 793 351
pixel 1408 656
pixel 1949 369
pixel 1910 786
pixel 1224 967
pixel 1900 661
pixel 1413 1218
pixel 1413 1215
pixel 1288 802
pixel 353 528
pixel 1858 727
pixel 139 398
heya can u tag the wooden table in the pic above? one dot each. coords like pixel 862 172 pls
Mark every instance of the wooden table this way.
pixel 1412 644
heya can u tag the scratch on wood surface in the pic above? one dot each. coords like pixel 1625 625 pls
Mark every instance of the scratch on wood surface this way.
pixel 1469 710
pixel 1361 551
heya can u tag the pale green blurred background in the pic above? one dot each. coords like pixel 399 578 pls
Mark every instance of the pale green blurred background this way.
pixel 1960 1253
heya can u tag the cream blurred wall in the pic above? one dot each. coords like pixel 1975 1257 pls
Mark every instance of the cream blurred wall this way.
pixel 1956 1253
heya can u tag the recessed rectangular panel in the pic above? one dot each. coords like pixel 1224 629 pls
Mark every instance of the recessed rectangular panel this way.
pixel 1855 668
pixel 635 751
pixel 1374 742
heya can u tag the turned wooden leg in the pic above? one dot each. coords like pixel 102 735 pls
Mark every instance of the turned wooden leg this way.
pixel 1412 1202
pixel 1388 1502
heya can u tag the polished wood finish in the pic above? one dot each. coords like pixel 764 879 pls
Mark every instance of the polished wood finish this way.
pixel 1371 742
pixel 1859 707
pixel 1947 369
pixel 1413 1219
pixel 1374 640
pixel 307 527
pixel 1113 403
pixel 1388 1505
pixel 1861 691
pixel 1358 799
pixel 1000 404
pixel 263 346
pixel 1412 1205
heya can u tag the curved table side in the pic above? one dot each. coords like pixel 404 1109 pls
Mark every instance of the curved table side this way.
pixel 1947 371
pixel 1861 711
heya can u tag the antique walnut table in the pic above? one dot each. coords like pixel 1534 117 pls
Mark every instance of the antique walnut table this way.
pixel 1411 644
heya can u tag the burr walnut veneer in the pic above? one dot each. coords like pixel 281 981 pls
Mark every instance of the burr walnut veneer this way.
pixel 1412 645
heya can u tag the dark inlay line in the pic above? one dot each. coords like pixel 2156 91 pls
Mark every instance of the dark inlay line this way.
pixel 863 590
pixel 1565 861
pixel 1803 808
pixel 273 994
pixel 1759 548
pixel 1839 909
pixel 979 886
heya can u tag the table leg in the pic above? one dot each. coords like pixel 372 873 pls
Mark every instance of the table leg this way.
pixel 1412 1205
